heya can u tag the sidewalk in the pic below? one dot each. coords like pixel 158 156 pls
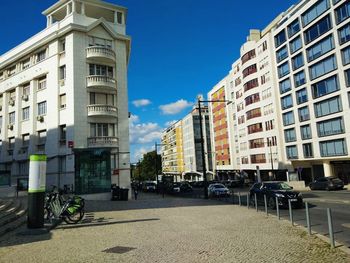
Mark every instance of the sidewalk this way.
pixel 153 229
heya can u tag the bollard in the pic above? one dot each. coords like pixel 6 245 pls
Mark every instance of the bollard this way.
pixel 256 202
pixel 265 201
pixel 239 199
pixel 308 224
pixel 248 200
pixel 278 209
pixel 330 227
pixel 290 212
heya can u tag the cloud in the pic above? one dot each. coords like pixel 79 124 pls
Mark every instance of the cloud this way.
pixel 143 133
pixel 141 103
pixel 138 153
pixel 175 107
pixel 134 119
pixel 169 123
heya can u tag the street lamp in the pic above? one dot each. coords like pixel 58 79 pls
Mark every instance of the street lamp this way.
pixel 156 165
pixel 202 141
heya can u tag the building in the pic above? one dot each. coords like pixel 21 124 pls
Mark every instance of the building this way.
pixel 64 94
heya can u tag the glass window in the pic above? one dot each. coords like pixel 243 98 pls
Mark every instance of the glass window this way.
pixel 12 118
pixel 345 53
pixel 63 132
pixel 328 106
pixel 298 61
pixel 347 77
pixel 42 108
pixel 285 86
pixel 301 96
pixel 318 29
pixel 330 127
pixel 280 38
pixel 63 101
pixel 304 114
pixel 336 1
pixel 342 12
pixel 293 28
pixel 100 70
pixel 333 148
pixel 287 102
pixel 290 135
pixel 41 56
pixel 295 45
pixel 288 118
pixel 282 54
pixel 305 132
pixel 25 114
pixel 344 34
pixel 292 152
pixel 315 11
pixel 42 83
pixel 299 78
pixel 325 87
pixel 25 140
pixel 63 72
pixel 283 69
pixel 307 149
pixel 323 67
pixel 320 48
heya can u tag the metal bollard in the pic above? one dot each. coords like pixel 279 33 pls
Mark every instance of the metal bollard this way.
pixel 308 224
pixel 265 201
pixel 256 202
pixel 248 200
pixel 239 199
pixel 290 212
pixel 330 227
pixel 278 209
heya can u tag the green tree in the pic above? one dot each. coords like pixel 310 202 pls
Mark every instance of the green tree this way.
pixel 146 168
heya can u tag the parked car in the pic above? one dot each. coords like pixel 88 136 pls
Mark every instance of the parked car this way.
pixel 175 188
pixel 149 187
pixel 234 183
pixel 327 183
pixel 185 187
pixel 283 191
pixel 218 190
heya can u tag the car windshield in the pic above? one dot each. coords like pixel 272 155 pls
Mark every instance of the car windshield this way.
pixel 218 186
pixel 278 186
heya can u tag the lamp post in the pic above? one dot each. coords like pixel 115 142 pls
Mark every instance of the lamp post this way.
pixel 156 165
pixel 269 143
pixel 205 181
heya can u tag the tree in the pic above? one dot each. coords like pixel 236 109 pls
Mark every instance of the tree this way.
pixel 146 168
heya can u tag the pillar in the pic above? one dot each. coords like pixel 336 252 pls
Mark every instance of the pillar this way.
pixel 82 8
pixel 327 169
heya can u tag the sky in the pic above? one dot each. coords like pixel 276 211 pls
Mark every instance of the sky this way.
pixel 180 49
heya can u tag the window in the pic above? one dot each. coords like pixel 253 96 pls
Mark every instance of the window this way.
pixel 252 99
pixel 42 108
pixel 25 114
pixel 347 77
pixel 63 72
pixel 41 140
pixel 315 11
pixel 280 38
pixel 269 125
pixel 288 118
pixel 320 48
pixel 325 87
pixel 26 90
pixel 63 132
pixel 292 152
pixel 295 45
pixel 11 71
pixel 298 61
pixel 258 158
pixel 254 113
pixel 42 83
pixel 304 114
pixel 40 55
pixel 293 28
pixel 287 102
pixel 285 86
pixel 268 109
pixel 333 148
pixel 100 70
pixel 283 69
pixel 257 127
pixel 344 34
pixel 305 132
pixel 63 101
pixel 318 29
pixel 290 135
pixel 25 140
pixel 299 78
pixel 102 129
pixel 25 63
pixel 12 118
pixel 345 53
pixel 323 67
pixel 251 84
pixel 330 127
pixel 119 17
pixel 301 96
pixel 307 149
pixel 96 41
pixel 327 107
pixel 11 145
pixel 249 70
pixel 282 54
pixel 62 45
pixel 342 12
pixel 62 164
pixel 336 1
pixel 248 56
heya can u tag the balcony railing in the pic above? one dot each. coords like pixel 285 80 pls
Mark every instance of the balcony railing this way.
pixel 105 141
pixel 103 53
pixel 100 81
pixel 102 110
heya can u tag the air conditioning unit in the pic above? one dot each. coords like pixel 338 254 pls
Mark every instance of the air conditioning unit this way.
pixel 10 127
pixel 40 118
pixel 11 102
pixel 25 97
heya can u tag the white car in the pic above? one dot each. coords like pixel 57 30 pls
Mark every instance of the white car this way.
pixel 218 190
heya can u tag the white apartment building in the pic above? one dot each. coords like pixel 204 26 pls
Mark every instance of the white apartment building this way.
pixel 63 93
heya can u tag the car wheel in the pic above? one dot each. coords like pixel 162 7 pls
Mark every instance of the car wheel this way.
pixel 272 203
pixel 311 188
pixel 327 188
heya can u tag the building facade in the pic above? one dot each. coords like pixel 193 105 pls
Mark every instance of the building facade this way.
pixel 64 94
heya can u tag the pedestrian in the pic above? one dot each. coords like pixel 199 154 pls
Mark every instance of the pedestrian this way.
pixel 135 193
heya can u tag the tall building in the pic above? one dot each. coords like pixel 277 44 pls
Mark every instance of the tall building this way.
pixel 64 94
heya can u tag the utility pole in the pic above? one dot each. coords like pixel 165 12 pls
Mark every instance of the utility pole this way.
pixel 202 149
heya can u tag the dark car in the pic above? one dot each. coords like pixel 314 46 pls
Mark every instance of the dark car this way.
pixel 327 183
pixel 275 189
pixel 185 187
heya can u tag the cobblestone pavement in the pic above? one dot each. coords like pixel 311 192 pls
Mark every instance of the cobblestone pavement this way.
pixel 170 230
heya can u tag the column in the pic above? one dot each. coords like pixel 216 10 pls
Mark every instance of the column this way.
pixel 115 17
pixel 82 8
pixel 327 169
pixel 73 7
pixel 48 21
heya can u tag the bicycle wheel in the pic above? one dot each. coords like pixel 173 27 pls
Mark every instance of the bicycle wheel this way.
pixel 75 217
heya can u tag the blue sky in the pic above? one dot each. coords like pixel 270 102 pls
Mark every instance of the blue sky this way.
pixel 180 48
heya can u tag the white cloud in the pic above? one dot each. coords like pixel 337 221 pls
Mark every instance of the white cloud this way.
pixel 134 119
pixel 143 133
pixel 175 107
pixel 169 123
pixel 141 103
pixel 138 154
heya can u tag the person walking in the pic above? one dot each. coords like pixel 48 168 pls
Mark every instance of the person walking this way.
pixel 135 193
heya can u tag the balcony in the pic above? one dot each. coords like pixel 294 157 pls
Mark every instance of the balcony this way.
pixel 103 54
pixel 102 110
pixel 99 82
pixel 106 141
